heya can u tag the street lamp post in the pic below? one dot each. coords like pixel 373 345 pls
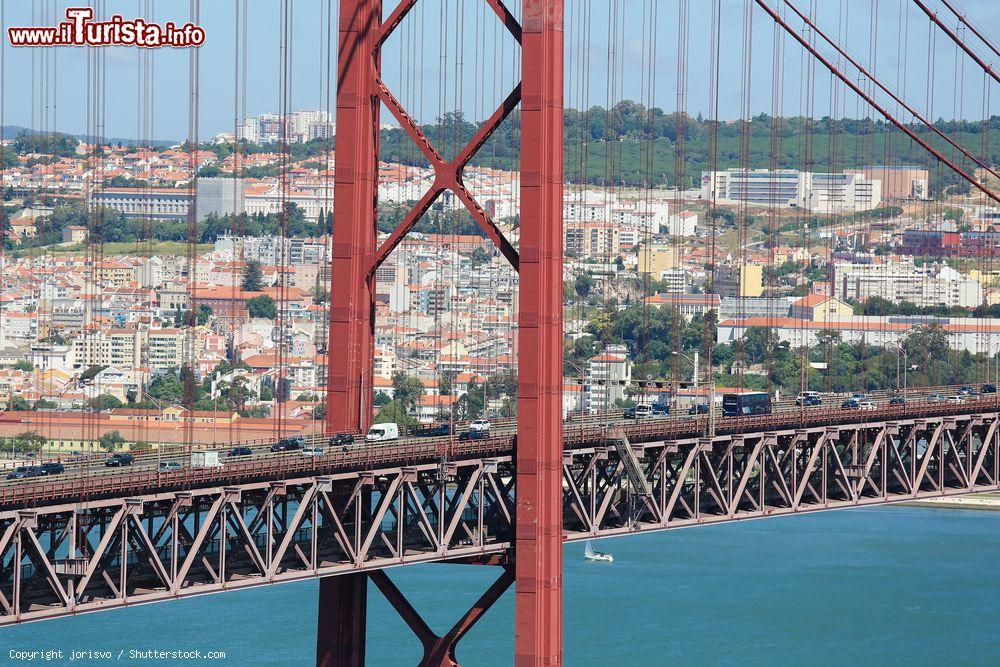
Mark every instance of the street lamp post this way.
pixel 711 389
pixel 900 350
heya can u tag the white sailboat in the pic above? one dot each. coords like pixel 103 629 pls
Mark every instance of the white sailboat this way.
pixel 590 554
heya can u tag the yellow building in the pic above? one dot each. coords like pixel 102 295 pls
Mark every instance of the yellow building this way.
pixel 742 279
pixel 656 259
pixel 114 274
pixel 820 308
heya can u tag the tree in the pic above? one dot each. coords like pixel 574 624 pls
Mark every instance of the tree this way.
pixel 446 382
pixel 105 402
pixel 45 404
pixel 19 403
pixel 262 306
pixel 168 388
pixel 406 390
pixel 29 441
pixel 320 295
pixel 24 365
pixel 253 277
pixel 111 441
pixel 394 411
pixel 237 393
pixel 583 284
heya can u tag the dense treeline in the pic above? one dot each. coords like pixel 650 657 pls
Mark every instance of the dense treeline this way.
pixel 108 226
pixel 615 145
pixel 605 146
pixel 831 364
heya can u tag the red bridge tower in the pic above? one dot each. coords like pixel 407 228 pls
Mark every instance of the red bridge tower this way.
pixel 537 557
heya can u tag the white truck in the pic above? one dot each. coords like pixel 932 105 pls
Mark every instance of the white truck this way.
pixel 205 460
pixel 382 432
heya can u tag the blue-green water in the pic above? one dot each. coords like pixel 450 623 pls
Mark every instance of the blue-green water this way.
pixel 878 586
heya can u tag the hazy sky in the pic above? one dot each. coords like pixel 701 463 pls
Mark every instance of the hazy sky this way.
pixel 424 75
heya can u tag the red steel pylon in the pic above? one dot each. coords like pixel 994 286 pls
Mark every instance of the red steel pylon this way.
pixel 360 91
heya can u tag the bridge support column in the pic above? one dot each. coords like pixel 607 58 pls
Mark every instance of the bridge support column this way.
pixel 351 347
pixel 343 602
pixel 538 532
pixel 350 350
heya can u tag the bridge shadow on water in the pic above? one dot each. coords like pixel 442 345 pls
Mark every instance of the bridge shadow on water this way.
pixel 874 586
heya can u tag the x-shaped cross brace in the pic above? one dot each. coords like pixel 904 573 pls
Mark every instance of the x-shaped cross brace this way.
pixel 447 174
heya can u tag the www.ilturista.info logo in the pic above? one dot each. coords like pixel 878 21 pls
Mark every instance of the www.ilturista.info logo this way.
pixel 79 29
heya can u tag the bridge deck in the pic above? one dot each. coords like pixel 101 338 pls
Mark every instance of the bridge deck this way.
pixel 143 537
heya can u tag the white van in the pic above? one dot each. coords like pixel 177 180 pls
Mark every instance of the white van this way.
pixel 382 432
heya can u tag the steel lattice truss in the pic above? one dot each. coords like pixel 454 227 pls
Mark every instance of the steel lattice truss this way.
pixel 66 559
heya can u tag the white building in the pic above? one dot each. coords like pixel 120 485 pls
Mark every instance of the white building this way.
pixel 820 192
pixel 607 376
pixel 896 281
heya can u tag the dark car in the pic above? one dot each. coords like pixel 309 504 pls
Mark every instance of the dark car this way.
pixel 289 444
pixel 342 439
pixel 897 400
pixel 629 413
pixel 24 472
pixel 242 450
pixel 988 388
pixel 432 431
pixel 661 409
pixel 965 389
pixel 474 435
pixel 52 468
pixel 118 460
pixel 851 404
pixel 698 409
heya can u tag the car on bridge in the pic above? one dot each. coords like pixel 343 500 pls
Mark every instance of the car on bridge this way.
pixel 289 444
pixel 808 398
pixel 52 468
pixel 988 388
pixel 382 432
pixel 956 399
pixel 480 425
pixel 660 409
pixel 342 440
pixel 637 412
pixel 118 460
pixel 432 430
pixel 897 400
pixel 24 472
pixel 851 404
pixel 474 435
pixel 170 466
pixel 242 450
pixel 314 450
pixel 698 409
pixel 867 406
pixel 935 398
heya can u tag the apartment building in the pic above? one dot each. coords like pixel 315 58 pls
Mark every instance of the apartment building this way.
pixel 931 285
pixel 607 376
pixel 846 192
pixel 121 348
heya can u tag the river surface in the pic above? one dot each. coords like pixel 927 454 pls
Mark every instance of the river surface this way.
pixel 873 586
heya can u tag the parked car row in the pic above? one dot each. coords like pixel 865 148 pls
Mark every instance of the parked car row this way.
pixel 24 472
